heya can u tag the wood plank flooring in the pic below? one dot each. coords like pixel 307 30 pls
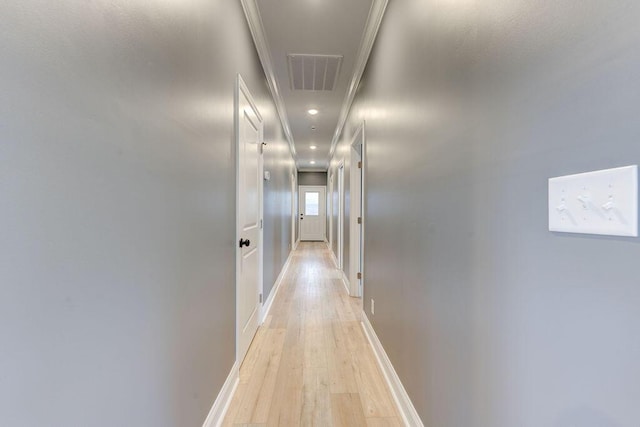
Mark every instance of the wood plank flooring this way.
pixel 310 363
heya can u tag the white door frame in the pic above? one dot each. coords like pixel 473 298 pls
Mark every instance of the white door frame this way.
pixel 241 86
pixel 356 231
pixel 330 210
pixel 294 210
pixel 340 170
pixel 322 212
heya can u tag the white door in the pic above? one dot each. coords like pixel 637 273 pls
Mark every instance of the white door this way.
pixel 313 213
pixel 340 215
pixel 249 130
pixel 356 214
pixel 293 212
pixel 330 211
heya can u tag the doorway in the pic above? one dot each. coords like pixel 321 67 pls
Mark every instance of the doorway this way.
pixel 313 212
pixel 249 233
pixel 293 212
pixel 330 211
pixel 341 215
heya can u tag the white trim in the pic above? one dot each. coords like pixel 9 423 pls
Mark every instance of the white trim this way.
pixel 333 256
pixel 222 402
pixel 266 308
pixel 252 13
pixel 294 209
pixel 363 210
pixel 330 207
pixel 345 282
pixel 369 37
pixel 341 209
pixel 403 402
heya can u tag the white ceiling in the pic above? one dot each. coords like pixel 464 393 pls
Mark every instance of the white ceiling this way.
pixel 320 27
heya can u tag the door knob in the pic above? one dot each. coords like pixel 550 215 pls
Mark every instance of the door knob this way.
pixel 244 242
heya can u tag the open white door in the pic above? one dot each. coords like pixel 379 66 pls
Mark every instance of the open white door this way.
pixel 249 134
pixel 313 212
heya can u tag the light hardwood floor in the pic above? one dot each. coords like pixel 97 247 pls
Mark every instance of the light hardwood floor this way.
pixel 310 363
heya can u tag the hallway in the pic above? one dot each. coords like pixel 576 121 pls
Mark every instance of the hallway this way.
pixel 310 363
pixel 476 162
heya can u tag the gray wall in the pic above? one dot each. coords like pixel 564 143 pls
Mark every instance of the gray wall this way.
pixel 117 192
pixel 277 206
pixel 312 178
pixel 489 319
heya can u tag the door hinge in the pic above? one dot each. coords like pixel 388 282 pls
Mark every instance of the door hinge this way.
pixel 260 224
pixel 359 276
pixel 359 165
pixel 260 298
pixel 359 220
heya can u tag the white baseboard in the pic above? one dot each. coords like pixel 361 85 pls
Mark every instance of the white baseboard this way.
pixel 405 406
pixel 346 283
pixel 276 287
pixel 221 405
pixel 296 245
pixel 333 256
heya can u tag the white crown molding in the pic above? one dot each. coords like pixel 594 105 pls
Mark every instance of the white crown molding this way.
pixel 368 38
pixel 252 13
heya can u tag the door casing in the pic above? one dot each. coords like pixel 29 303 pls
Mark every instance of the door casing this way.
pixel 330 211
pixel 294 201
pixel 356 230
pixel 340 224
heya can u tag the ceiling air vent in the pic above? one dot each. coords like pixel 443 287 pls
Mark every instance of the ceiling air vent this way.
pixel 313 72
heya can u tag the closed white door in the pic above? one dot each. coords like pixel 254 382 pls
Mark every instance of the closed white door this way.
pixel 293 212
pixel 356 243
pixel 313 213
pixel 249 221
pixel 330 211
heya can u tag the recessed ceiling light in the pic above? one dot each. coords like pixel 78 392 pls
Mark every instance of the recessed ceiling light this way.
pixel 313 111
pixel 313 147
pixel 313 162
